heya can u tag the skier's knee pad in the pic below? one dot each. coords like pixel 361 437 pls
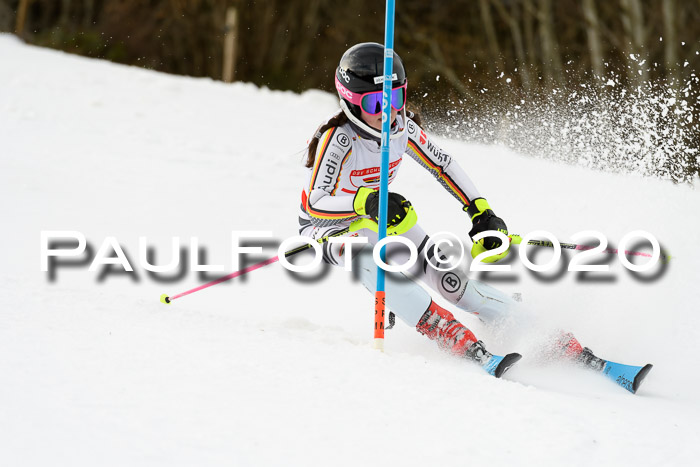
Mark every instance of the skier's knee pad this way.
pixel 404 297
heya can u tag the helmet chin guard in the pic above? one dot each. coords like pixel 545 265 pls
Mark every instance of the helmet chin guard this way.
pixel 371 132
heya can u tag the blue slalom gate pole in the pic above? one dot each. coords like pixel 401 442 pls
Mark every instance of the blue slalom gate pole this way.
pixel 380 296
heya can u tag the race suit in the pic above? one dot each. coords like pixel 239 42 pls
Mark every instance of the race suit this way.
pixel 345 162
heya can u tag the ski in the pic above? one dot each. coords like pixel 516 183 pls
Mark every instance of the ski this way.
pixel 495 365
pixel 629 377
pixel 498 365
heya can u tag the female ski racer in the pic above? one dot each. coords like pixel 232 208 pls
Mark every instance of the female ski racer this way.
pixel 340 192
pixel 343 176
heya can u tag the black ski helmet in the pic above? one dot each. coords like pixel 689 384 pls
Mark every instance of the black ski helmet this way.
pixel 358 68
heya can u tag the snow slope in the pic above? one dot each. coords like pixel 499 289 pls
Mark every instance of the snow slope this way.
pixel 275 371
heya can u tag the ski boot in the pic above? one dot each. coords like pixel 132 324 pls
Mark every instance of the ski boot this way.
pixel 628 376
pixel 441 326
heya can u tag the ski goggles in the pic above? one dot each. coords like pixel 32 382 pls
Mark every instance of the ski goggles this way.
pixel 371 102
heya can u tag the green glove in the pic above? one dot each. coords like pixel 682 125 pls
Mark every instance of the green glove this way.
pixel 484 219
pixel 366 203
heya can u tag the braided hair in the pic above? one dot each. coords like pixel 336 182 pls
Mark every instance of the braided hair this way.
pixel 341 119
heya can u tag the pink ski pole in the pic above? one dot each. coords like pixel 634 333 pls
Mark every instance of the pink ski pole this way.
pixel 165 298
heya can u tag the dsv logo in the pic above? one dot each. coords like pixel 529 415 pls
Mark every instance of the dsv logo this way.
pixel 344 74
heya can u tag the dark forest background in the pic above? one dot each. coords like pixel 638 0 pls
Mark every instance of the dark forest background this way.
pixel 478 55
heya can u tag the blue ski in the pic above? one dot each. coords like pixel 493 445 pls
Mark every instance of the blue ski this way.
pixel 629 377
pixel 497 365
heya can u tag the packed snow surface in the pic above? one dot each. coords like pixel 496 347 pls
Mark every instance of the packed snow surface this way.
pixel 273 370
